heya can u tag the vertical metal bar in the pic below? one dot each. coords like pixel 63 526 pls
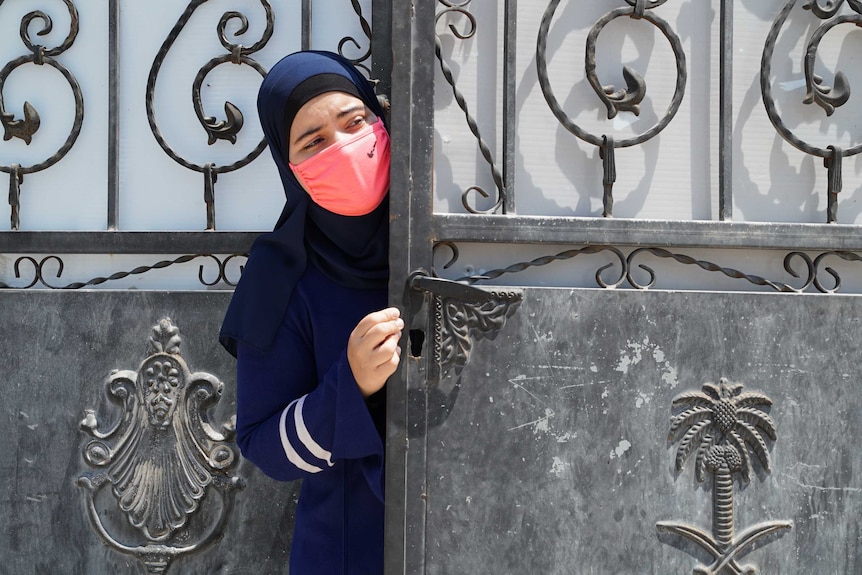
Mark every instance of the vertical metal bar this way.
pixel 725 115
pixel 113 114
pixel 381 45
pixel 510 33
pixel 399 217
pixel 306 24
pixel 410 205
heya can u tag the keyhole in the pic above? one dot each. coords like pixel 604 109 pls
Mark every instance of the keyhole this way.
pixel 417 339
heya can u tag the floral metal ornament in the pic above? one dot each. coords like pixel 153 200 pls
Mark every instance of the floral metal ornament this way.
pixel 457 323
pixel 460 313
pixel 723 426
pixel 162 459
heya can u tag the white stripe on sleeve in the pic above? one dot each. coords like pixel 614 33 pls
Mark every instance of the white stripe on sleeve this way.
pixel 289 451
pixel 302 432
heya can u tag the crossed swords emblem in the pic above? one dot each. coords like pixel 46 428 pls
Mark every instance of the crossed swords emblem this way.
pixel 724 557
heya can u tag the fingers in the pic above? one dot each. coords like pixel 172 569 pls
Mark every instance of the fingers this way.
pixel 376 328
pixel 379 345
pixel 386 318
pixel 373 351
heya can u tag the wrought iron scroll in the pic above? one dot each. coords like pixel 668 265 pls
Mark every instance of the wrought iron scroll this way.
pixel 543 261
pixel 163 459
pixel 228 128
pixel 359 61
pixel 725 428
pixel 26 127
pixel 616 100
pixel 40 274
pixel 815 272
pixel 827 97
pixel 461 8
pixel 729 272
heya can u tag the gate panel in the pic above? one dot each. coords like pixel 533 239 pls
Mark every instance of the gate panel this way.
pixel 539 429
pixel 552 453
pixel 64 351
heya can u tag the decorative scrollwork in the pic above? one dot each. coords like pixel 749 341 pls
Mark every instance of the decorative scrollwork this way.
pixel 616 100
pixel 458 323
pixel 226 129
pixel 711 267
pixel 646 5
pixel 836 279
pixel 22 129
pixel 460 313
pixel 725 428
pixel 827 97
pixel 26 127
pixel 39 271
pixel 545 260
pixel 461 8
pixel 162 458
pixel 626 99
pixel 831 8
pixel 810 273
pixel 360 60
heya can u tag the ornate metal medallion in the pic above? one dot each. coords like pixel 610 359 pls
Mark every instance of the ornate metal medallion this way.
pixel 162 457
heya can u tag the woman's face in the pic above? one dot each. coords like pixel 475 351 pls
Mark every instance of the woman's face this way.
pixel 323 121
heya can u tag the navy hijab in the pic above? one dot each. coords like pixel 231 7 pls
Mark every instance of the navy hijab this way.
pixel 350 250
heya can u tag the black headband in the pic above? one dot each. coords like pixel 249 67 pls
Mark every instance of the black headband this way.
pixel 314 86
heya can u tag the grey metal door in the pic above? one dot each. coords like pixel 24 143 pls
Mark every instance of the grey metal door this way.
pixel 621 428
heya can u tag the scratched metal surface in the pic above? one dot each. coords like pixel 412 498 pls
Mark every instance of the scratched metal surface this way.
pixel 555 459
pixel 60 348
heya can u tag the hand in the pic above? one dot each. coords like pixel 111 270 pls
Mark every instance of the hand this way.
pixel 372 350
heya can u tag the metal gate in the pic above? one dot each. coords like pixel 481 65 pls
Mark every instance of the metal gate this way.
pixel 624 416
pixel 653 421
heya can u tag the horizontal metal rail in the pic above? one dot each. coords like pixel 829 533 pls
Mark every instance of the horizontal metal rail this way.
pixel 125 242
pixel 661 233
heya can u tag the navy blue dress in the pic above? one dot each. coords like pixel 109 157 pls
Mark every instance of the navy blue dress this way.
pixel 300 415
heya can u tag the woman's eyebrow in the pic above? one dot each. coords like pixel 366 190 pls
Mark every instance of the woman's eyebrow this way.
pixel 351 110
pixel 307 133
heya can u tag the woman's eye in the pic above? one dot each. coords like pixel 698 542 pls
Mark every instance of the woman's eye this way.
pixel 312 143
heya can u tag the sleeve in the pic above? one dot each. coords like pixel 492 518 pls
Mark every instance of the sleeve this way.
pixel 292 424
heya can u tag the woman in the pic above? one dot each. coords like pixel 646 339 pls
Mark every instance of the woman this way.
pixel 308 322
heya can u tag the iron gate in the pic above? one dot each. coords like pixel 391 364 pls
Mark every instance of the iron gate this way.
pixel 553 426
pixel 599 426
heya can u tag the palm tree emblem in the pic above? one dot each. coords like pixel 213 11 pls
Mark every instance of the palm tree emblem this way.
pixel 725 428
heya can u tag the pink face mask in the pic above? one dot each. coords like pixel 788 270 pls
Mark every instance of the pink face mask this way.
pixel 351 177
